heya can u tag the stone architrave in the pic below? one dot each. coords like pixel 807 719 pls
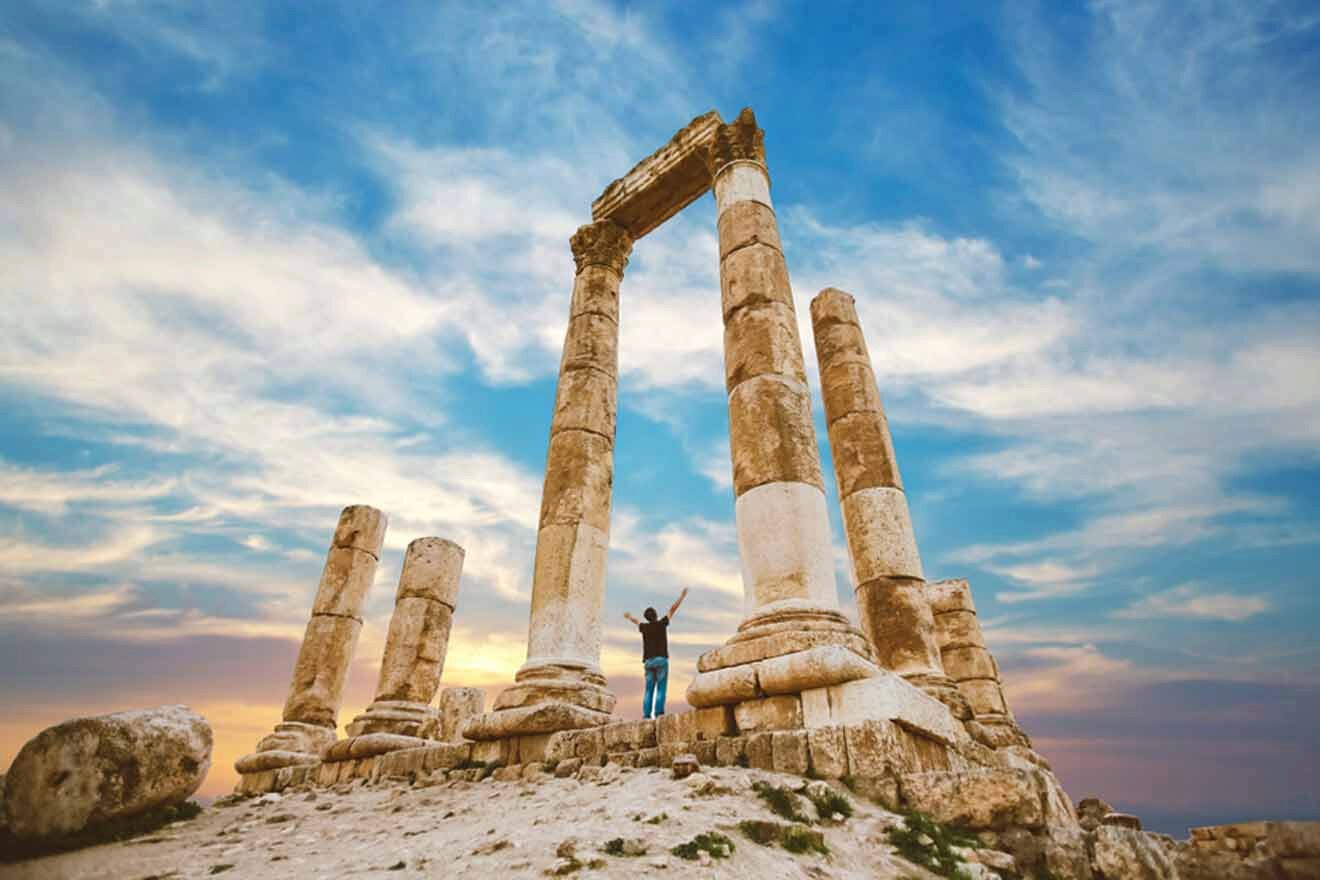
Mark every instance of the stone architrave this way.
pixel 780 509
pixel 415 647
pixel 887 577
pixel 970 664
pixel 312 708
pixel 561 685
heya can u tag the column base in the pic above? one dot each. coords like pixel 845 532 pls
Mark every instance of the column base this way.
pixel 548 697
pixel 402 717
pixel 786 647
pixel 944 689
pixel 291 744
pixel 369 745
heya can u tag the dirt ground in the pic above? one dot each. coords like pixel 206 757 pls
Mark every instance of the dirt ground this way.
pixel 487 829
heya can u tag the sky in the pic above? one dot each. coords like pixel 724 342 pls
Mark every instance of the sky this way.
pixel 262 261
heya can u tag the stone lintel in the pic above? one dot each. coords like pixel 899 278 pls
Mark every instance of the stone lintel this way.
pixel 662 184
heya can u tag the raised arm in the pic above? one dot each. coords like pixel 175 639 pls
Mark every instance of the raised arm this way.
pixel 632 619
pixel 673 609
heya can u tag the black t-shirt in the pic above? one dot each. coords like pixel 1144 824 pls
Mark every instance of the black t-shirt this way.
pixel 655 642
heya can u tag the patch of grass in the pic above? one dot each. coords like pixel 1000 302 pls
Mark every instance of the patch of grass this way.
pixel 794 838
pixel 711 842
pixel 764 833
pixel 656 820
pixel 927 843
pixel 13 849
pixel 800 839
pixel 831 802
pixel 781 801
pixel 613 847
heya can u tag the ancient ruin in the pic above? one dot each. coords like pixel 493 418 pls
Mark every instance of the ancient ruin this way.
pixel 909 709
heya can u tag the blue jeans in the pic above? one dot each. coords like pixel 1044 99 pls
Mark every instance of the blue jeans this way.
pixel 657 677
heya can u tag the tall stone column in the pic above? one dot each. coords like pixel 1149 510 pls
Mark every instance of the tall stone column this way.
pixel 415 647
pixel 790 602
pixel 971 665
pixel 312 708
pixel 561 685
pixel 887 577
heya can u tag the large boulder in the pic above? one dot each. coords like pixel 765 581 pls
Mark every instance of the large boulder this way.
pixel 979 799
pixel 87 770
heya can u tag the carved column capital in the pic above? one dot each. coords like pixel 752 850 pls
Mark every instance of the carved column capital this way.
pixel 740 140
pixel 603 243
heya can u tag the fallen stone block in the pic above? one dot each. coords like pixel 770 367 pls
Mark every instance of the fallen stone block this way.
pixel 88 770
pixel 684 766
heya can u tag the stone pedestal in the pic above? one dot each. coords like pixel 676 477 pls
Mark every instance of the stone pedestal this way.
pixel 790 604
pixel 887 576
pixel 415 648
pixel 971 665
pixel 561 685
pixel 458 705
pixel 312 708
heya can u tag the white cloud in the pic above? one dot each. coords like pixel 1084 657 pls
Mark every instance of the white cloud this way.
pixel 1194 602
pixel 52 492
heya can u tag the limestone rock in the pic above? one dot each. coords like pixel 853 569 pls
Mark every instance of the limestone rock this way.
pixel 87 770
pixel 1124 854
pixel 977 799
pixel 685 765
pixel 1121 820
pixel 1090 812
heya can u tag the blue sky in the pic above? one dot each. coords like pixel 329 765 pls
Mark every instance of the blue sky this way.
pixel 262 261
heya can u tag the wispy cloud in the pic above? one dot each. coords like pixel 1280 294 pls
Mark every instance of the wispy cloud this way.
pixel 1194 602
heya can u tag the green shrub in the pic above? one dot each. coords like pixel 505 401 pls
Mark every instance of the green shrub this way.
pixel 712 842
pixel 800 839
pixel 764 833
pixel 781 801
pixel 937 855
pixel 831 802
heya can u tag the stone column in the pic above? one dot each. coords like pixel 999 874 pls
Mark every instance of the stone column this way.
pixel 887 577
pixel 415 647
pixel 779 509
pixel 561 685
pixel 311 710
pixel 971 665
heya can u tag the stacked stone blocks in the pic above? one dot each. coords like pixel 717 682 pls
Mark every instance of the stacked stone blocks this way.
pixel 312 708
pixel 971 665
pixel 888 580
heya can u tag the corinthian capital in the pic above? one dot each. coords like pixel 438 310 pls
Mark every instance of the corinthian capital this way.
pixel 603 243
pixel 740 139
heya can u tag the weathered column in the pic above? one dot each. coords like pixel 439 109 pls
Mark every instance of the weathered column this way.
pixel 790 602
pixel 971 665
pixel 415 647
pixel 311 710
pixel 561 685
pixel 887 578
